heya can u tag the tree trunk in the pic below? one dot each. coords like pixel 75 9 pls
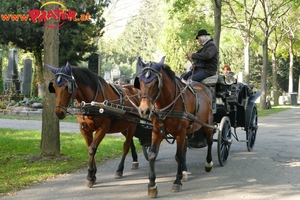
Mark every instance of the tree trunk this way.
pixel 217 19
pixel 291 52
pixel 263 105
pixel 274 80
pixel 298 99
pixel 246 57
pixel 50 143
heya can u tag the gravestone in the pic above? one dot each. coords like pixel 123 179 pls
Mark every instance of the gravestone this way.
pixel 1 73
pixel 93 63
pixel 12 81
pixel 26 77
pixel 115 73
pixel 107 76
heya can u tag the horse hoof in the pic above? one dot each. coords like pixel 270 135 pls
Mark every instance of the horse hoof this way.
pixel 118 175
pixel 90 183
pixel 176 188
pixel 208 166
pixel 184 176
pixel 135 165
pixel 152 192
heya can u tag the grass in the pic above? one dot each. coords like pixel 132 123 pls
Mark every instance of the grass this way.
pixel 21 164
pixel 275 109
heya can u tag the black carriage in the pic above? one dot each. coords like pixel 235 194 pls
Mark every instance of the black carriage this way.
pixel 234 107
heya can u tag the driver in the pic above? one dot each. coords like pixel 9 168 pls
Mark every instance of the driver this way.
pixel 205 60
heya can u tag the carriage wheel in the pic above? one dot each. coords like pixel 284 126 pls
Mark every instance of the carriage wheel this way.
pixel 224 140
pixel 145 151
pixel 252 129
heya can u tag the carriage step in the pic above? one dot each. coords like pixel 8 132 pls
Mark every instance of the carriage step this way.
pixel 242 140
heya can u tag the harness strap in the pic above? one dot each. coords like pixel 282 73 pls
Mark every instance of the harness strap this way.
pixel 162 115
pixel 119 91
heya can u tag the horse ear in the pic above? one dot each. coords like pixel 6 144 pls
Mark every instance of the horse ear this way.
pixel 54 70
pixel 68 68
pixel 141 63
pixel 161 62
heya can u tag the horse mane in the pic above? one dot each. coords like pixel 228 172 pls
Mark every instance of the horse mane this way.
pixel 87 77
pixel 169 71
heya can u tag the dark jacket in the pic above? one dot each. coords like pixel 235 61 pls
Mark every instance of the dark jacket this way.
pixel 207 58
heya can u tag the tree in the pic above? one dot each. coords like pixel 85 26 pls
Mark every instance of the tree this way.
pixel 273 48
pixel 242 17
pixel 140 38
pixel 185 18
pixel 50 141
pixel 218 21
pixel 77 37
pixel 267 22
pixel 23 33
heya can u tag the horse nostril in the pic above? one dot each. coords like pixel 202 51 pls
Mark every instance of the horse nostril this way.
pixel 61 115
pixel 147 111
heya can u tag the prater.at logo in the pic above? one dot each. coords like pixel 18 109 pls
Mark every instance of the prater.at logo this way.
pixel 41 15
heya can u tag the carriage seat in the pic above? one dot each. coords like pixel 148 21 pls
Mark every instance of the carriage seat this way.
pixel 210 81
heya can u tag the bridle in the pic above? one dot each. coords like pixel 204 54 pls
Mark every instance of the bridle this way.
pixel 71 87
pixel 147 71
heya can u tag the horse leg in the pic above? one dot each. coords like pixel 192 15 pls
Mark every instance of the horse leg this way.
pixel 93 144
pixel 127 144
pixel 209 139
pixel 92 169
pixel 135 163
pixel 184 167
pixel 154 148
pixel 180 158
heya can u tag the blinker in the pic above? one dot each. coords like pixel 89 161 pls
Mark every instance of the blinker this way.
pixel 58 79
pixel 147 75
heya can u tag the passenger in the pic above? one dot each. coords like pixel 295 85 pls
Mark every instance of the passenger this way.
pixel 205 60
pixel 226 70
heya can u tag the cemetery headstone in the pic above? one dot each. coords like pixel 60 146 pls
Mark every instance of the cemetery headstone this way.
pixel 93 63
pixel 26 77
pixel 12 81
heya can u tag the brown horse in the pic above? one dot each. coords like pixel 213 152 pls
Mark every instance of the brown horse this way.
pixel 176 109
pixel 83 85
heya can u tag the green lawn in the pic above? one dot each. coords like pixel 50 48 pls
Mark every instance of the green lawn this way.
pixel 275 109
pixel 22 166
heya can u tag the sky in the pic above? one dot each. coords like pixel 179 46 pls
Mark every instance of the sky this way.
pixel 117 15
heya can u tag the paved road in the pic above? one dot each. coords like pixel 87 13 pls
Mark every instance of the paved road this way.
pixel 271 171
pixel 37 125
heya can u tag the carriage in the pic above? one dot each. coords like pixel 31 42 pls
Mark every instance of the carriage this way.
pixel 234 108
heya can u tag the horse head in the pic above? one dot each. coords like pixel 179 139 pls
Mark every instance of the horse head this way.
pixel 149 82
pixel 62 85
